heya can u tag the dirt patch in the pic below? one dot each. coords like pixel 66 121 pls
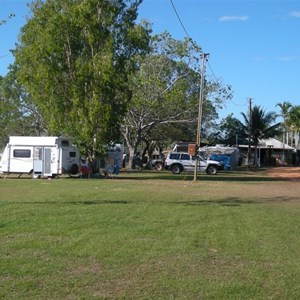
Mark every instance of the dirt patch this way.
pixel 289 173
pixel 285 188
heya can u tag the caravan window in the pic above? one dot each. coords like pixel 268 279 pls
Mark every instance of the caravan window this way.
pixel 22 153
pixel 65 143
pixel 72 154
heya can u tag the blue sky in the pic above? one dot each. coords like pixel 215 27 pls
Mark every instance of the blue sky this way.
pixel 254 45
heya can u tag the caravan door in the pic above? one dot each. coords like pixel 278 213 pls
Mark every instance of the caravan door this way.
pixel 42 161
pixel 47 162
pixel 37 160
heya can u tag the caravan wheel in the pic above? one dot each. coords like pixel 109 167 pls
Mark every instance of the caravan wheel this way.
pixel 74 169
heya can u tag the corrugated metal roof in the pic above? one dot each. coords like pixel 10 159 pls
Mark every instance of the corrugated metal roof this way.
pixel 271 143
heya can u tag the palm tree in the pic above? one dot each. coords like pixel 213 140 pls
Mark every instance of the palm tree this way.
pixel 285 108
pixel 294 124
pixel 261 126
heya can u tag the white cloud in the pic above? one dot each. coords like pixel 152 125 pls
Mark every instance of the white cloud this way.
pixel 233 18
pixel 287 58
pixel 295 13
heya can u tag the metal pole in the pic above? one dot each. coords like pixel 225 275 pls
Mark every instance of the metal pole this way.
pixel 204 57
pixel 249 131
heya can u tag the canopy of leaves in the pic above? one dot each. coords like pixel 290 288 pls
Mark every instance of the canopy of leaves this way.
pixel 261 123
pixel 74 57
pixel 18 115
pixel 232 131
pixel 294 118
pixel 166 92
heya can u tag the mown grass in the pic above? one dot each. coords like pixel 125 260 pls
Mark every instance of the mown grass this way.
pixel 139 237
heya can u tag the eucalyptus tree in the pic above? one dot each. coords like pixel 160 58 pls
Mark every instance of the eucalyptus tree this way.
pixel 18 114
pixel 165 91
pixel 74 58
pixel 261 125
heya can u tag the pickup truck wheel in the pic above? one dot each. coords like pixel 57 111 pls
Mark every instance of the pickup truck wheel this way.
pixel 212 170
pixel 158 166
pixel 176 169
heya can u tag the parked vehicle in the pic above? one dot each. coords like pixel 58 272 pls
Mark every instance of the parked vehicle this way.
pixel 156 162
pixel 40 156
pixel 178 162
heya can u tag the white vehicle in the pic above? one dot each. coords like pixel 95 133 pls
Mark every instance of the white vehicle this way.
pixel 178 162
pixel 40 156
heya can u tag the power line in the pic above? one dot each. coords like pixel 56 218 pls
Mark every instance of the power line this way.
pixel 178 17
pixel 183 27
pixel 4 55
pixel 212 72
pixel 187 34
pixel 237 104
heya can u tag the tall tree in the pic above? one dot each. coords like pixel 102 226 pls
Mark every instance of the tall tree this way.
pixel 232 131
pixel 294 125
pixel 18 114
pixel 262 125
pixel 74 59
pixel 285 108
pixel 165 91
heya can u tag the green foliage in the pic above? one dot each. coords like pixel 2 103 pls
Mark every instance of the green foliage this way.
pixel 231 131
pixel 285 108
pixel 284 113
pixel 18 114
pixel 165 88
pixel 74 58
pixel 294 125
pixel 291 123
pixel 294 117
pixel 262 124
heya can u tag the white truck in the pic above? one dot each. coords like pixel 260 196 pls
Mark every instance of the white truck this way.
pixel 178 162
pixel 39 156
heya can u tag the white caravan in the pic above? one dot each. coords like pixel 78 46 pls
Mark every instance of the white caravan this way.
pixel 40 156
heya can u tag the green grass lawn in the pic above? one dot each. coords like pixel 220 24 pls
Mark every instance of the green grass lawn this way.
pixel 150 236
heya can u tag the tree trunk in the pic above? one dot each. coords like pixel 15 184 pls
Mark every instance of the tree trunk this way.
pixel 131 156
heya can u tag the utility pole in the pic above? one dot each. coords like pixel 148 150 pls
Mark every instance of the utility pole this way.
pixel 204 57
pixel 249 131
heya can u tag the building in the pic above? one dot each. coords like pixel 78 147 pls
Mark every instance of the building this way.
pixel 270 152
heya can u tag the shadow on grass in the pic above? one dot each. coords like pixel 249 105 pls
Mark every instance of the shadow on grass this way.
pixel 228 201
pixel 240 175
pixel 186 177
pixel 224 202
pixel 235 201
pixel 203 177
pixel 231 201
